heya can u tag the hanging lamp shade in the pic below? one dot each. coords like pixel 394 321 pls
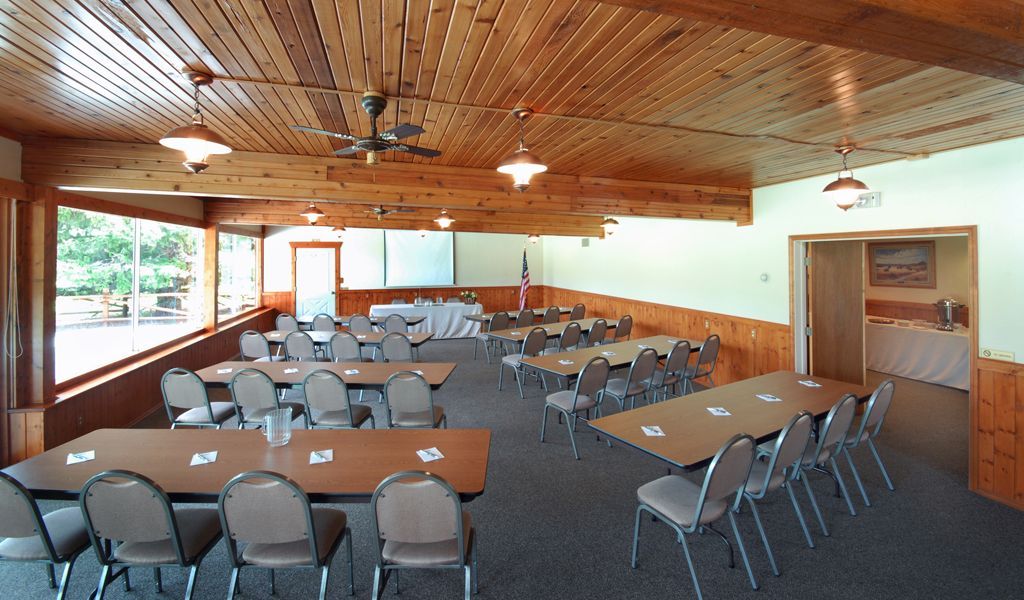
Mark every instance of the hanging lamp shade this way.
pixel 444 220
pixel 197 141
pixel 533 238
pixel 522 164
pixel 610 226
pixel 312 213
pixel 845 190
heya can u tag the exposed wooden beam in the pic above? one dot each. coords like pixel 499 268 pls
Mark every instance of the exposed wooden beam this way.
pixel 984 37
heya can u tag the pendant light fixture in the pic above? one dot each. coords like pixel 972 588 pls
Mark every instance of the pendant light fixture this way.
pixel 444 220
pixel 533 238
pixel 312 213
pixel 197 140
pixel 610 226
pixel 845 190
pixel 522 164
pixel 422 232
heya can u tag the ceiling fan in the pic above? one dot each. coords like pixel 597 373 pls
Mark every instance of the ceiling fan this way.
pixel 381 212
pixel 374 104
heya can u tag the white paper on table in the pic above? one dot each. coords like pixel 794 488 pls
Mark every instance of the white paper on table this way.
pixel 718 411
pixel 429 455
pixel 287 371
pixel 203 458
pixel 418 372
pixel 608 353
pixel 516 333
pixel 360 337
pixel 565 361
pixel 224 371
pixel 643 346
pixel 809 383
pixel 351 371
pixel 652 430
pixel 273 335
pixel 671 341
pixel 769 397
pixel 79 457
pixel 321 456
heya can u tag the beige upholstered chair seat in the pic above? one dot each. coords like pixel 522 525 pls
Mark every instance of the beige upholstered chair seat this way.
pixel 756 480
pixel 432 554
pixel 417 419
pixel 671 380
pixel 563 400
pixel 826 453
pixel 275 358
pixel 676 498
pixel 67 532
pixel 258 414
pixel 512 360
pixel 852 441
pixel 329 523
pixel 221 412
pixel 197 527
pixel 617 387
pixel 340 418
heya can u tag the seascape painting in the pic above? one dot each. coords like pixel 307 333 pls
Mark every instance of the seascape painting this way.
pixel 902 264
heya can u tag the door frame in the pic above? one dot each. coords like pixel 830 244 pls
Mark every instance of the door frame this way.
pixel 337 268
pixel 798 303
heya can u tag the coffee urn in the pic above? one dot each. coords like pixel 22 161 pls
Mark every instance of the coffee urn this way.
pixel 949 313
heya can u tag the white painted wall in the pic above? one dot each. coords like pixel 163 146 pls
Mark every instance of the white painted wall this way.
pixel 716 266
pixel 481 259
pixel 10 159
pixel 952 276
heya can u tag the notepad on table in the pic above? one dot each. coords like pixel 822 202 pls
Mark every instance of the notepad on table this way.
pixel 203 458
pixel 769 397
pixel 429 455
pixel 291 371
pixel 224 371
pixel 809 383
pixel 321 456
pixel 608 353
pixel 718 411
pixel 351 371
pixel 79 457
pixel 652 430
pixel 565 361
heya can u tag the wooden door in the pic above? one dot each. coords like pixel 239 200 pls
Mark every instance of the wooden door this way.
pixel 835 303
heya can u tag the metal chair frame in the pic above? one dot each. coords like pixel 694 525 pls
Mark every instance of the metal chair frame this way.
pixel 323 322
pixel 578 312
pixel 675 363
pixel 707 347
pixel 573 413
pixel 643 381
pixel 888 388
pixel 240 415
pixel 430 398
pixel 298 335
pixel 268 356
pixel 206 400
pixel 347 402
pixel 815 464
pixel 623 329
pixel 490 344
pixel 519 369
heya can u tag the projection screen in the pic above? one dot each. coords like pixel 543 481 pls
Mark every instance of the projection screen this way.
pixel 412 259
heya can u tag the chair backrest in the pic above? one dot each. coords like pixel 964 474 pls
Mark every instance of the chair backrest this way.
pixel 535 342
pixel 407 392
pixel 623 328
pixel 789 448
pixel 323 391
pixel 643 366
pixel 708 356
pixel 727 474
pixel 570 337
pixel 677 358
pixel 286 322
pixel 261 507
pixel 524 318
pixel 454 300
pixel 19 514
pixel 344 347
pixel 323 322
pixel 122 506
pixel 499 320
pixel 551 315
pixel 597 332
pixel 359 323
pixel 396 347
pixel 183 389
pixel 299 346
pixel 398 301
pixel 415 507
pixel 253 389
pixel 253 345
pixel 395 323
pixel 878 406
pixel 592 378
pixel 578 312
pixel 833 430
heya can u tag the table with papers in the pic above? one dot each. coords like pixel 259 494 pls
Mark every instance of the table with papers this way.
pixel 444 320
pixel 941 357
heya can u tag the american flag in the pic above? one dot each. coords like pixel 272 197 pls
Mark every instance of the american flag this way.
pixel 524 286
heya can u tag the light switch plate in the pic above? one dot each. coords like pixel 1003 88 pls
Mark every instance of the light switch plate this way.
pixel 997 354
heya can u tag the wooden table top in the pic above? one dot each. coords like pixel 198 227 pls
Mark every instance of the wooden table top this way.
pixel 693 435
pixel 370 338
pixel 344 319
pixel 518 334
pixel 362 459
pixel 371 375
pixel 618 354
pixel 537 312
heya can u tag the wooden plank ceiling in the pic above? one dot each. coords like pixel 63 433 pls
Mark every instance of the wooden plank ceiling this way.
pixel 621 94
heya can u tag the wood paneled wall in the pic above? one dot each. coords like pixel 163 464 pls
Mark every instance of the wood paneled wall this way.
pixel 998 441
pixel 492 298
pixel 893 309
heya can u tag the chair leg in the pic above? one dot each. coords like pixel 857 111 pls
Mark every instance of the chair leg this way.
pixel 636 537
pixel 501 374
pixel 689 563
pixel 273 583
pixel 881 465
pixel 519 383
pixel 62 589
pixel 543 423
pixel 572 436
pixel 476 572
pixel 743 548
pixel 814 505
pixel 375 592
pixel 102 585
pixel 325 571
pixel 469 581
pixel 764 537
pixel 856 478
pixel 842 486
pixel 158 579
pixel 233 583
pixel 799 513
pixel 191 581
pixel 127 581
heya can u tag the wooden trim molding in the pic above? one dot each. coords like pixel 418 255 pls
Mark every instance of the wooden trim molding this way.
pixel 80 202
pixel 337 266
pixel 999 442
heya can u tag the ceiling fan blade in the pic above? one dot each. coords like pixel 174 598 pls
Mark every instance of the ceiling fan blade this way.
pixel 344 136
pixel 403 210
pixel 402 131
pixel 417 150
pixel 346 151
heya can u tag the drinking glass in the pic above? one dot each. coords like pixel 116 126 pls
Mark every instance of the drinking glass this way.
pixel 277 426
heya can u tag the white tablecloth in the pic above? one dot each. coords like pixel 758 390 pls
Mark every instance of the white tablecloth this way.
pixel 444 320
pixel 941 357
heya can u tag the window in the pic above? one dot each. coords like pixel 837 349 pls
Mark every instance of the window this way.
pixel 123 285
pixel 236 274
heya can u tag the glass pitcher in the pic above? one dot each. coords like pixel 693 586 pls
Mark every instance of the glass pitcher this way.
pixel 277 426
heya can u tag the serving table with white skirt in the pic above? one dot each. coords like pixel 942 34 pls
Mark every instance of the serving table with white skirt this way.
pixel 444 320
pixel 931 355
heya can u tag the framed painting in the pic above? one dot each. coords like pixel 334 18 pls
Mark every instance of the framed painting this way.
pixel 902 264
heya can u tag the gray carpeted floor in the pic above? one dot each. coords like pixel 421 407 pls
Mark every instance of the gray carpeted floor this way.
pixel 552 527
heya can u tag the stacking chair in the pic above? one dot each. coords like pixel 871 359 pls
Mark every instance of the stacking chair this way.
pixel 637 381
pixel 184 390
pixel 869 428
pixel 254 396
pixel 272 516
pixel 623 329
pixel 323 322
pixel 409 402
pixel 569 340
pixel 328 404
pixel 419 523
pixel 498 321
pixel 298 346
pixel 286 322
pixel 524 318
pixel 707 358
pixel 780 470
pixel 253 346
pixel 57 538
pixel 670 377
pixel 830 443
pixel 398 301
pixel 131 523
pixel 344 347
pixel 395 323
pixel 395 347
pixel 688 508
pixel 533 345
pixel 587 395
pixel 551 315
pixel 359 323
pixel 595 337
pixel 578 312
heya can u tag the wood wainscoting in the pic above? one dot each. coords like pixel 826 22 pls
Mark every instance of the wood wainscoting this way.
pixel 749 347
pixel 894 309
pixel 505 297
pixel 998 441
